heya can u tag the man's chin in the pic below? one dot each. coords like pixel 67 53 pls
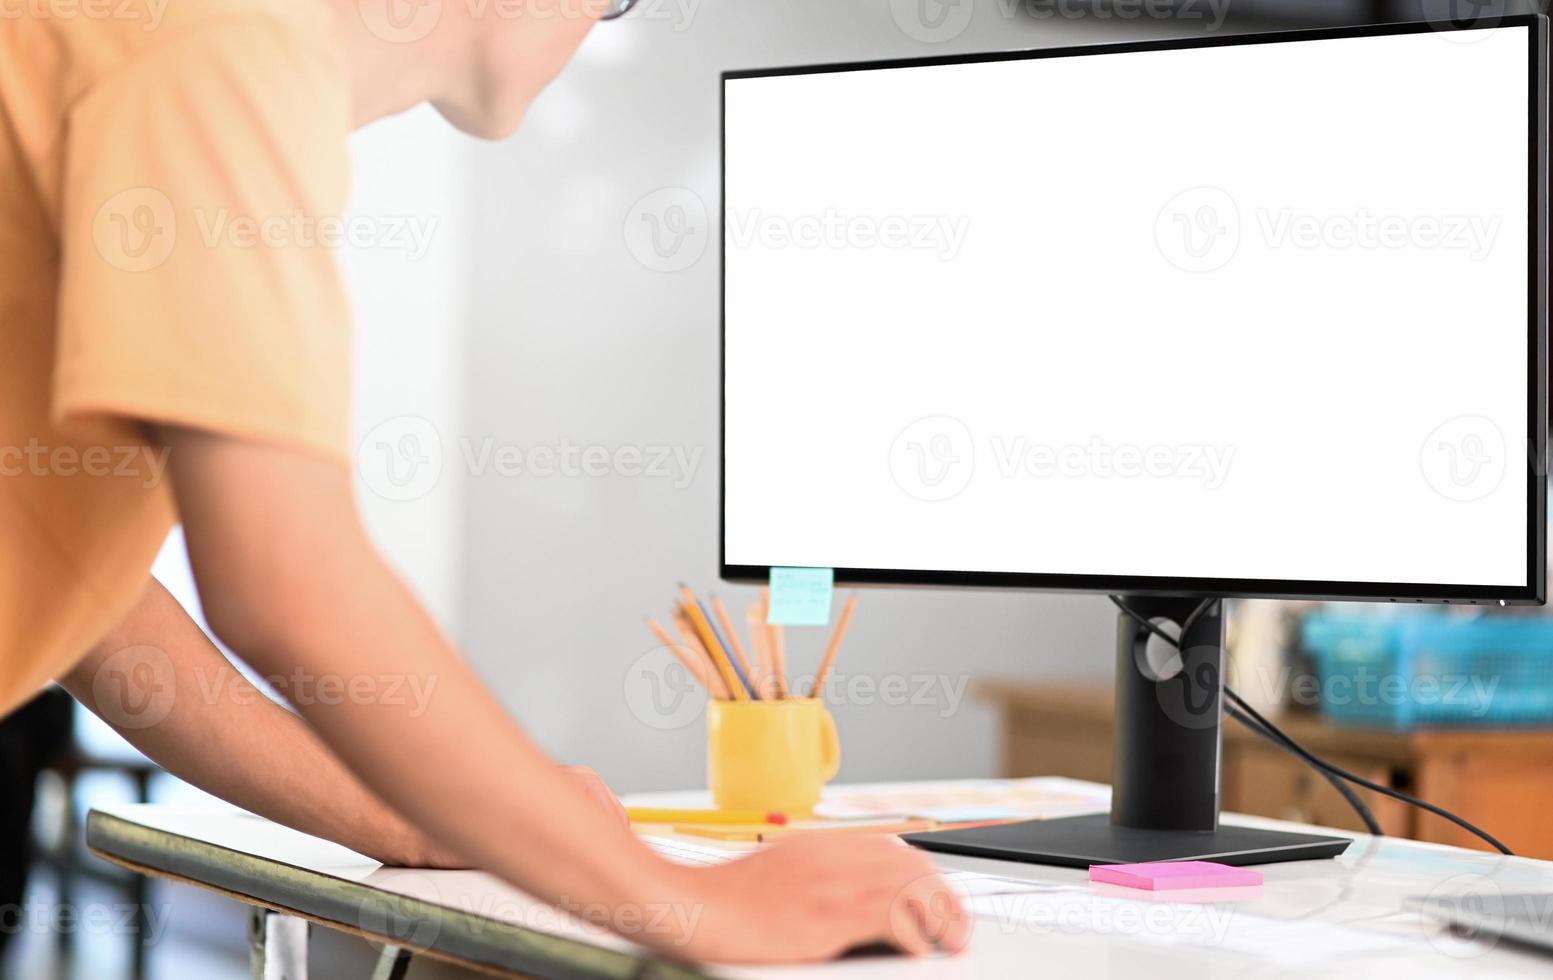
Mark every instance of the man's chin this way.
pixel 482 125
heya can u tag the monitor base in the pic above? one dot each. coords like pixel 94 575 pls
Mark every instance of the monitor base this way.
pixel 1078 842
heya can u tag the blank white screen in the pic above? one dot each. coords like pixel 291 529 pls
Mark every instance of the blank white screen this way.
pixel 1243 312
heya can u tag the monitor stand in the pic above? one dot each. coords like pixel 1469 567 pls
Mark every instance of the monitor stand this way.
pixel 1165 794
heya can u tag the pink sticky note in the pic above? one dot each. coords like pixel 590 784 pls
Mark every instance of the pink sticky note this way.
pixel 1171 875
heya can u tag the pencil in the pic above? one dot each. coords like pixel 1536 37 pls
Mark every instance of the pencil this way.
pixel 835 645
pixel 764 833
pixel 722 645
pixel 717 688
pixel 778 647
pixel 741 673
pixel 762 650
pixel 734 646
pixel 896 827
pixel 692 659
pixel 653 814
pixel 709 640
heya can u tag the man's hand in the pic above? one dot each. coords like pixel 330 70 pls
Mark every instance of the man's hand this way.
pixel 826 895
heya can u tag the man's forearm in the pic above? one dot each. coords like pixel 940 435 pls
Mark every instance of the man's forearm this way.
pixel 223 735
pixel 291 583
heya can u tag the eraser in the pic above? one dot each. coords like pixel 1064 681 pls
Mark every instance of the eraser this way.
pixel 1171 875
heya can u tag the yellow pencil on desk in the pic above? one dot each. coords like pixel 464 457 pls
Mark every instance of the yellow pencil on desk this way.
pixel 654 814
pixel 759 834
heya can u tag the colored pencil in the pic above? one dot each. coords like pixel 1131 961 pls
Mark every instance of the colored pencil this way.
pixel 763 670
pixel 734 646
pixel 718 689
pixel 834 647
pixel 727 648
pixel 692 659
pixel 709 640
pixel 778 644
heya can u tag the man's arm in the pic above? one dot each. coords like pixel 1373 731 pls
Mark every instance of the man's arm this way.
pixel 290 583
pixel 224 736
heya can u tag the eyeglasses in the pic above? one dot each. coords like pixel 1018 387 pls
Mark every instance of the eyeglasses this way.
pixel 617 8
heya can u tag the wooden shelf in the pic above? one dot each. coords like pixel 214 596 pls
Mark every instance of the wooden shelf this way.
pixel 1500 779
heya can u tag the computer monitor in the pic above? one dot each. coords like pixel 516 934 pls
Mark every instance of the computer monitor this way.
pixel 1258 315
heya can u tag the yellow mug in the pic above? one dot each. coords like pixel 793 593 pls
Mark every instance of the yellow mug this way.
pixel 770 756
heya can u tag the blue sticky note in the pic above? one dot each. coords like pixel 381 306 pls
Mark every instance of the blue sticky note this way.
pixel 800 596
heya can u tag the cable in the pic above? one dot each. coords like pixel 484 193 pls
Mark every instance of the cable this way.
pixel 1288 744
pixel 1152 627
pixel 1371 786
pixel 1268 730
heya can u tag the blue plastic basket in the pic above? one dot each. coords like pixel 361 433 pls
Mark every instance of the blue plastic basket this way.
pixel 1432 668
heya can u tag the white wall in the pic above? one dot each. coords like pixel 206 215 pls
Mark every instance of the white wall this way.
pixel 533 313
pixel 581 332
pixel 408 279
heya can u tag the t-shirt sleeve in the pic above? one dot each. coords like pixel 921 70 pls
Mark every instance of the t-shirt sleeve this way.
pixel 203 190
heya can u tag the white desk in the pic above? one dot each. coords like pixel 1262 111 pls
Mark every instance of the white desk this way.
pixel 1334 917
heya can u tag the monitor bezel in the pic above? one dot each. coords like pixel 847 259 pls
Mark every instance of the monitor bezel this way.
pixel 1532 593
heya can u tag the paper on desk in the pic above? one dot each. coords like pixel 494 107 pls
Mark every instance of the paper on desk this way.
pixel 687 852
pixel 1077 911
pixel 1041 796
pixel 969 884
pixel 972 885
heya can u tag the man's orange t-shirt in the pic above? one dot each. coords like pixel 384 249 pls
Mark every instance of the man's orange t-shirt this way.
pixel 169 173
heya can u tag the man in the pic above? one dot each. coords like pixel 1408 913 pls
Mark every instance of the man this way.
pixel 174 345
pixel 29 738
